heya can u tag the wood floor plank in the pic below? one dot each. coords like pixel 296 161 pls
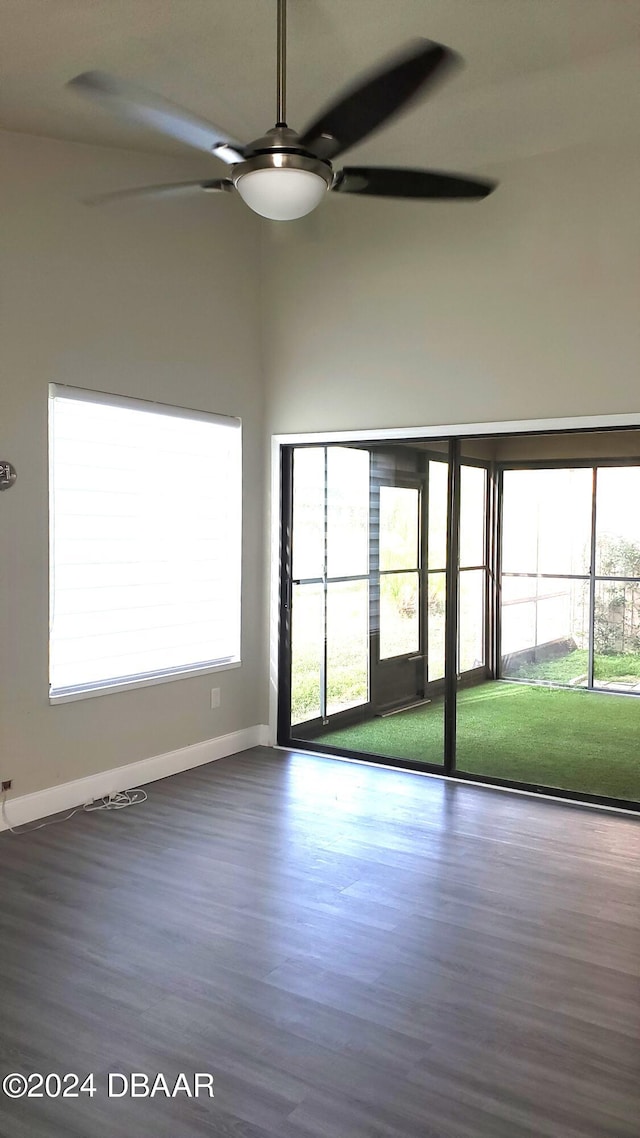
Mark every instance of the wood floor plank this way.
pixel 352 952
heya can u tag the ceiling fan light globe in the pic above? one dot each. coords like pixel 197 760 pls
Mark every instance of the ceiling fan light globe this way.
pixel 281 193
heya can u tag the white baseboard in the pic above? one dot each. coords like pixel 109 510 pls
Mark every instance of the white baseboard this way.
pixel 53 800
pixel 267 736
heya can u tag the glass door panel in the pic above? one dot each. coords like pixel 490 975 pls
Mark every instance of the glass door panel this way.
pixel 518 620
pixel 307 653
pixel 472 579
pixel 399 614
pixel 545 629
pixel 473 534
pixel 618 522
pixel 436 611
pixel 545 594
pixel 399 527
pixel 396 565
pixel 438 475
pixel 580 741
pixel 399 561
pixel 546 521
pixel 347 645
pixel 471 652
pixel 377 607
pixel 474 681
pixel 616 661
pixel 329 617
pixel 616 633
pixel 308 513
pixel 347 498
pixel 438 505
pixel 347 512
pixel 558 619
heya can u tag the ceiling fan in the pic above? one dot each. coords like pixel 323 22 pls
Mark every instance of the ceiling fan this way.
pixel 285 175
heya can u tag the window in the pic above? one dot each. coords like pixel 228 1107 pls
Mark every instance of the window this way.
pixel 145 522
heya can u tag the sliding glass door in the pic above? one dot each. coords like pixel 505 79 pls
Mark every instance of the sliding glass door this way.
pixel 446 609
pixel 568 629
pixel 365 601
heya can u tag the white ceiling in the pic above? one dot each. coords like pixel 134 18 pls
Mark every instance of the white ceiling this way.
pixel 539 75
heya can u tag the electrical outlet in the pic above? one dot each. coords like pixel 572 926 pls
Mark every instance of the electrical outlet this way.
pixel 5 784
pixel 215 698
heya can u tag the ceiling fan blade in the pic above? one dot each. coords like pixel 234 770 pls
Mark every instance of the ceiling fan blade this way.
pixel 169 189
pixel 374 97
pixel 395 182
pixel 135 104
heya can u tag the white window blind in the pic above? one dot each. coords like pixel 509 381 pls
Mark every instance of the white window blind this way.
pixel 145 523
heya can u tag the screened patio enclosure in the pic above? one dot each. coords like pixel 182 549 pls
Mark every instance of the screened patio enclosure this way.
pixel 459 604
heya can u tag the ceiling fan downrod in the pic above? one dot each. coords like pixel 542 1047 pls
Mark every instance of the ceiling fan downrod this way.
pixel 281 81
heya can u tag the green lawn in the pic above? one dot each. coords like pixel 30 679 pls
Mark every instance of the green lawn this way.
pixel 576 740
pixel 625 668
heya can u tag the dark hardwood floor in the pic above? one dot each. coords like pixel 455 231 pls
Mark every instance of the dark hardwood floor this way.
pixel 352 952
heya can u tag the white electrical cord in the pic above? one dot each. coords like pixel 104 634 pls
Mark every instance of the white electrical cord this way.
pixel 118 801
pixel 107 802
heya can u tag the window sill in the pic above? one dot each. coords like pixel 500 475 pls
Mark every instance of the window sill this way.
pixel 144 682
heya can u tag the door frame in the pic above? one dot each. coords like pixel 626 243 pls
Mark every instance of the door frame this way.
pixel 452 432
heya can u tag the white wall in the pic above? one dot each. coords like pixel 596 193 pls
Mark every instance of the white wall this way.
pixel 157 300
pixel 388 314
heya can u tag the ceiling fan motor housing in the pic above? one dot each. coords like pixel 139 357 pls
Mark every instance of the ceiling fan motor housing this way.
pixel 279 178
